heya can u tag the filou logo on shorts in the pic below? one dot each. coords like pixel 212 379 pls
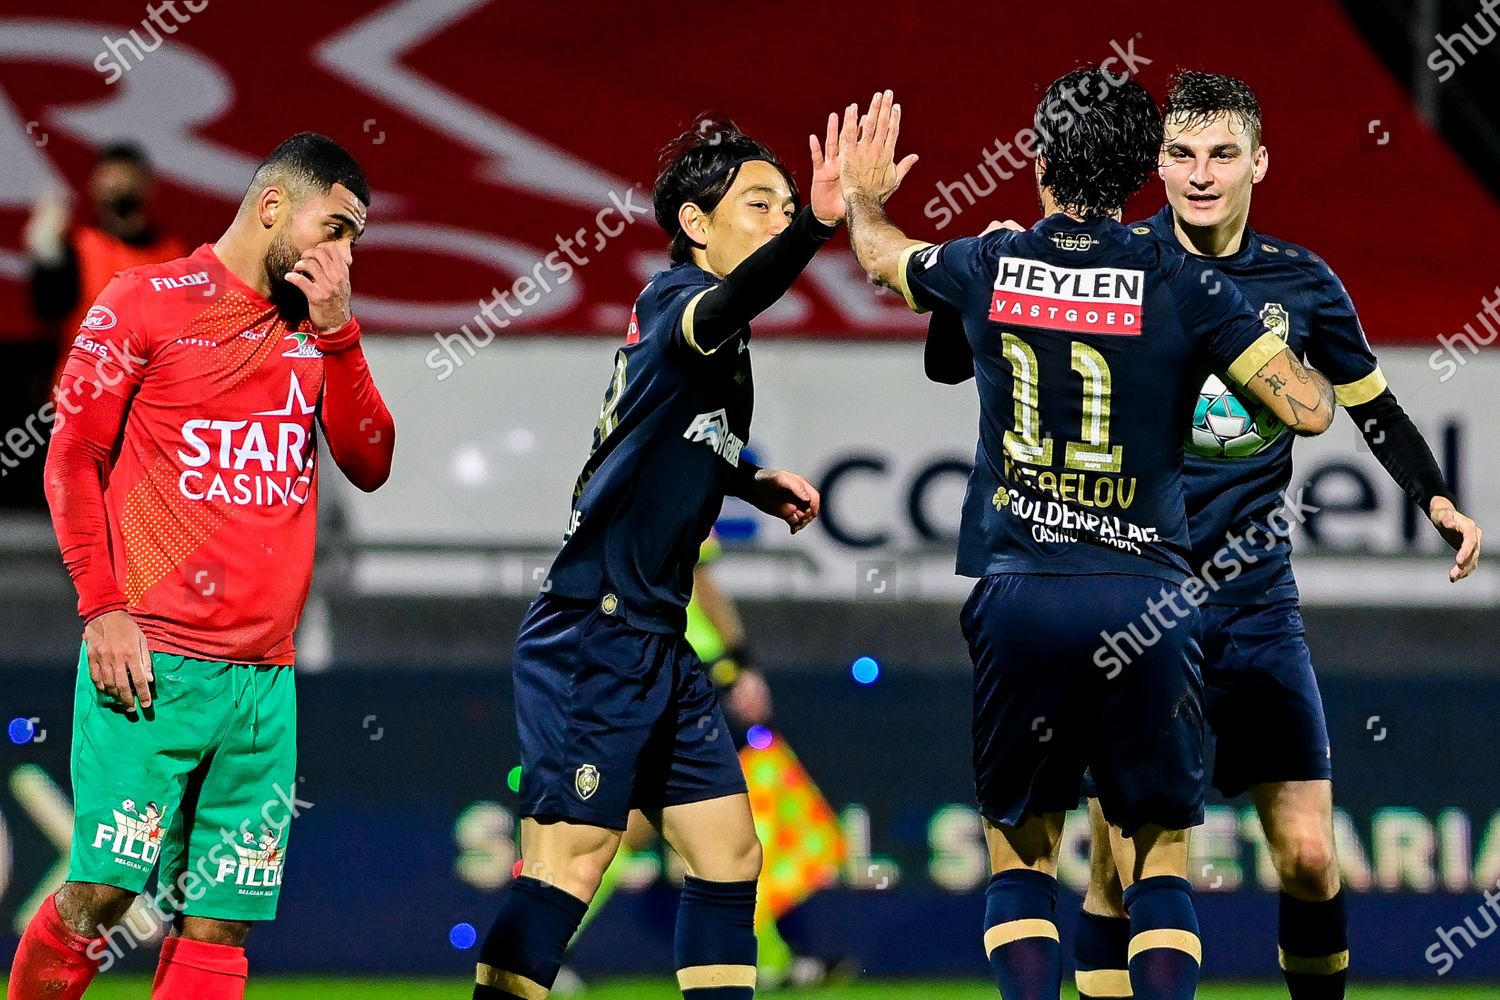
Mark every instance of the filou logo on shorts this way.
pixel 135 836
pixel 1072 299
pixel 257 863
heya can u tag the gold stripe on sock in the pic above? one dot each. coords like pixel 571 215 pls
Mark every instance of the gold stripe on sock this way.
pixel 1167 937
pixel 707 977
pixel 1323 965
pixel 1014 930
pixel 1104 982
pixel 510 982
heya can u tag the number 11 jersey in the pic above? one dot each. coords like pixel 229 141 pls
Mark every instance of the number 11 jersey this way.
pixel 1089 346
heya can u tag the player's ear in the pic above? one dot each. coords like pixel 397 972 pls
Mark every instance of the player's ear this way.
pixel 694 222
pixel 270 205
pixel 1262 164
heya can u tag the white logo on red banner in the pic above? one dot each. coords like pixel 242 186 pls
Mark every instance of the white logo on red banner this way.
pixel 1070 299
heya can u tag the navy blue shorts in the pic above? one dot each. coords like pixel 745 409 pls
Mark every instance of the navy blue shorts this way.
pixel 1264 709
pixel 1049 702
pixel 612 718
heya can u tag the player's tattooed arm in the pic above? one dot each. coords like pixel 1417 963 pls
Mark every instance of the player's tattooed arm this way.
pixel 870 175
pixel 1300 397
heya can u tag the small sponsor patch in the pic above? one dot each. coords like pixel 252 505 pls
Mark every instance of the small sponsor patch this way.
pixel 99 318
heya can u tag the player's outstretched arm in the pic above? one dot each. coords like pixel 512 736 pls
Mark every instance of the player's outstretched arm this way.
pixel 870 175
pixel 1300 397
pixel 718 315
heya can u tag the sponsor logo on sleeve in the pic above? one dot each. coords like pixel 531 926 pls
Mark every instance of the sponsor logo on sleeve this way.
pixel 99 318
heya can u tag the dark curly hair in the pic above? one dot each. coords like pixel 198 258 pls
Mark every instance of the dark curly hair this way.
pixel 1194 99
pixel 1100 141
pixel 700 166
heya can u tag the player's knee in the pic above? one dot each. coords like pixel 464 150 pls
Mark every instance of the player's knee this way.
pixel 227 932
pixel 86 906
pixel 1308 867
pixel 733 859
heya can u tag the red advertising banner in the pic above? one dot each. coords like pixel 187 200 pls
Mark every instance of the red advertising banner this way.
pixel 512 144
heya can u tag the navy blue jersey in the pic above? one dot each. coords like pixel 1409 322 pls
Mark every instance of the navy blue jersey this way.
pixel 1239 458
pixel 666 451
pixel 1089 347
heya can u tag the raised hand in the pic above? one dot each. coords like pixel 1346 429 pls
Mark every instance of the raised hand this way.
pixel 827 195
pixel 323 276
pixel 867 150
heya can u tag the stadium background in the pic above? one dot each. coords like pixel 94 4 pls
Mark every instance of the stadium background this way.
pixel 490 130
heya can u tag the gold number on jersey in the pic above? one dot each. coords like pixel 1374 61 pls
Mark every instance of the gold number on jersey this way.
pixel 608 419
pixel 1026 443
pixel 1093 453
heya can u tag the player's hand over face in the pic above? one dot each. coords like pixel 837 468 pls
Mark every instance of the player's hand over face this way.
pixel 119 664
pixel 323 276
pixel 1460 532
pixel 786 495
pixel 748 700
pixel 867 150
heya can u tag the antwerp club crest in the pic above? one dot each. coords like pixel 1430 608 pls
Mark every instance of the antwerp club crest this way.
pixel 305 345
pixel 586 781
pixel 136 833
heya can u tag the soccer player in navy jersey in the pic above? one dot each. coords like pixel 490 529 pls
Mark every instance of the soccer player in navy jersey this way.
pixel 1262 701
pixel 615 712
pixel 1086 342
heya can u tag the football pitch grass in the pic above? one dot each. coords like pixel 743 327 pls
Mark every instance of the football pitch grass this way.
pixel 268 988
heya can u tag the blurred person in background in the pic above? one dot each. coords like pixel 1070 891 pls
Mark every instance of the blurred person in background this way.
pixel 71 264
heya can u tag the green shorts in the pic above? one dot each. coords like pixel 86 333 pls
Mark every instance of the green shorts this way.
pixel 203 784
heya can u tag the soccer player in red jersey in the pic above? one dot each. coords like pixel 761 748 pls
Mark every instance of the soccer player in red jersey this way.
pixel 182 479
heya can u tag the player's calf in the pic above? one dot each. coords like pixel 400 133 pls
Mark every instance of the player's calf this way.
pixel 1020 902
pixel 562 865
pixel 203 960
pixel 1165 953
pixel 714 946
pixel 1101 944
pixel 1313 925
pixel 59 953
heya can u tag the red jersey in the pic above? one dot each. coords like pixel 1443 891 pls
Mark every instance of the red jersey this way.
pixel 211 493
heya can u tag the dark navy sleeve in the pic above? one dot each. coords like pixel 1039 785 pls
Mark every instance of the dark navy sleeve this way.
pixel 943 274
pixel 718 314
pixel 1337 346
pixel 1217 317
